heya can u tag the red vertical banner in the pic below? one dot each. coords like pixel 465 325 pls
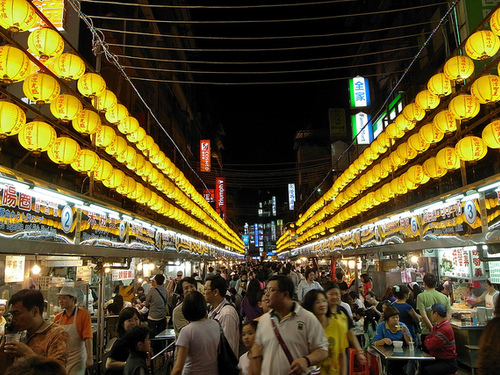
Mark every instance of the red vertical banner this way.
pixel 220 196
pixel 205 155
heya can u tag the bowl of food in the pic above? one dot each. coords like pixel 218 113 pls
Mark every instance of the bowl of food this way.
pixel 397 344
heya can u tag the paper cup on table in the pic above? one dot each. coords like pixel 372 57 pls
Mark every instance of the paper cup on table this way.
pixel 398 344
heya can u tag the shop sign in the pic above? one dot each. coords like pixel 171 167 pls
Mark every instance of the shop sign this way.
pixel 100 229
pixel 205 155
pixel 14 268
pixel 34 217
pixel 123 275
pixel 338 125
pixel 84 273
pixel 362 131
pixel 403 229
pixel 359 90
pixel 477 265
pixel 291 197
pixel 454 218
pixel 454 263
pixel 142 237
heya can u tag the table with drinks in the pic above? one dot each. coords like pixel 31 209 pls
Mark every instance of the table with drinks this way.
pixel 405 353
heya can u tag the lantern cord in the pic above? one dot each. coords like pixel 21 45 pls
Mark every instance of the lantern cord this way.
pixel 337 16
pixel 179 36
pixel 98 39
pixel 389 96
pixel 220 6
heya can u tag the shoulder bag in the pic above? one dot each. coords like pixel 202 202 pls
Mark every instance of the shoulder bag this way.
pixel 315 371
pixel 227 362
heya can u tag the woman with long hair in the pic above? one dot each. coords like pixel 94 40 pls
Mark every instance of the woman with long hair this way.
pixel 250 305
pixel 115 363
pixel 335 328
pixel 407 314
pixel 198 341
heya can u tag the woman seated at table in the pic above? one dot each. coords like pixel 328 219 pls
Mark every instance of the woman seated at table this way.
pixel 392 330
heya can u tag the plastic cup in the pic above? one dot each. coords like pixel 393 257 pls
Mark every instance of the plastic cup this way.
pixel 10 337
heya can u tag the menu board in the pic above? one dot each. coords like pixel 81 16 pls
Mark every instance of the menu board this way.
pixel 494 272
pixel 14 268
pixel 461 263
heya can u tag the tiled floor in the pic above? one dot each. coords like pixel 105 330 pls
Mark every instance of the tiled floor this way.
pixel 463 370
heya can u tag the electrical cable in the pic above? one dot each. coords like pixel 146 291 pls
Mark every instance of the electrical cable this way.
pixel 220 6
pixel 261 82
pixel 178 36
pixel 156 48
pixel 263 72
pixel 337 16
pixel 271 61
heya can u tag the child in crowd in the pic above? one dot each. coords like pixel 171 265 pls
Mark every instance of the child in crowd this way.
pixel 137 339
pixel 248 338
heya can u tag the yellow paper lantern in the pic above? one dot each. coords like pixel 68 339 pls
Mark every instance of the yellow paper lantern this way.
pixel 127 157
pixel 407 183
pixel 403 124
pixel 482 45
pixel 417 143
pixel 69 66
pixel 117 146
pixel 439 85
pixel 380 172
pixel 491 134
pixel 12 119
pixel 447 158
pixel 153 151
pixel 116 179
pixel 104 101
pixel 376 148
pixel 85 161
pixel 394 132
pixel 137 192
pixel 86 122
pixel 396 160
pixel 146 144
pixel 45 43
pixel 471 148
pixel 380 197
pixel 91 85
pixel 37 136
pixel 103 170
pixel 116 114
pixel 445 121
pixel 384 141
pixel 486 89
pixel 41 88
pixel 136 136
pixel 104 135
pixel 14 65
pixel 413 112
pixel 64 151
pixel 127 186
pixel 495 22
pixel 406 152
pixel 145 170
pixel 17 15
pixel 458 68
pixel 426 100
pixel 415 174
pixel 387 192
pixel 430 133
pixel 464 107
pixel 432 169
pixel 139 162
pixel 128 125
pixel 387 165
pixel 66 107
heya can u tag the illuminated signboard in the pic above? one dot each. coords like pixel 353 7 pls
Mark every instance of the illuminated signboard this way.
pixel 220 195
pixel 274 206
pixel 362 131
pixel 395 107
pixel 53 10
pixel 291 196
pixel 205 154
pixel 359 90
pixel 14 268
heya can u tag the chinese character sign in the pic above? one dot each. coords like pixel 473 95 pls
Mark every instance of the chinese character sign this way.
pixel 205 155
pixel 362 128
pixel 220 195
pixel 359 91
pixel 291 196
pixel 14 268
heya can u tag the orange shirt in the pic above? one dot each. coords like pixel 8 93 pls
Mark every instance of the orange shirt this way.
pixel 83 322
pixel 52 342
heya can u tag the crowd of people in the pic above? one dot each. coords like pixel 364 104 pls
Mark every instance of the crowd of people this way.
pixel 275 318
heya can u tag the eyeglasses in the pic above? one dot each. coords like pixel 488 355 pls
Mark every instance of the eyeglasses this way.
pixel 268 290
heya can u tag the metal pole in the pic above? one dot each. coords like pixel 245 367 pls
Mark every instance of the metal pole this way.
pixel 100 315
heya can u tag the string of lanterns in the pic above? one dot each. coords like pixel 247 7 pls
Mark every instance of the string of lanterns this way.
pixel 149 162
pixel 354 181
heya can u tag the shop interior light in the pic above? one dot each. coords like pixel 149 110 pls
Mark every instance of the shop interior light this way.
pixel 454 198
pixel 489 187
pixel 107 269
pixel 414 259
pixel 470 248
pixel 36 269
pixel 60 197
pixel 352 264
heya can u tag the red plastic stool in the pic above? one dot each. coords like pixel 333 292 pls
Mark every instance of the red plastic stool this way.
pixel 356 368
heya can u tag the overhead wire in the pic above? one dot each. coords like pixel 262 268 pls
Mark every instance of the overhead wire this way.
pixel 254 6
pixel 330 17
pixel 178 36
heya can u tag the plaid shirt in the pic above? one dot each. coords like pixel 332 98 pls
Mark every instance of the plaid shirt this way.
pixel 52 342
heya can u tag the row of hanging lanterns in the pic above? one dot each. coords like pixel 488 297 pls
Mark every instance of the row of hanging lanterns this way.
pixel 484 90
pixel 42 88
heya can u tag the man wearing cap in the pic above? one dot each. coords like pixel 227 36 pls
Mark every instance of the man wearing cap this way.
pixel 78 323
pixel 44 338
pixel 441 344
